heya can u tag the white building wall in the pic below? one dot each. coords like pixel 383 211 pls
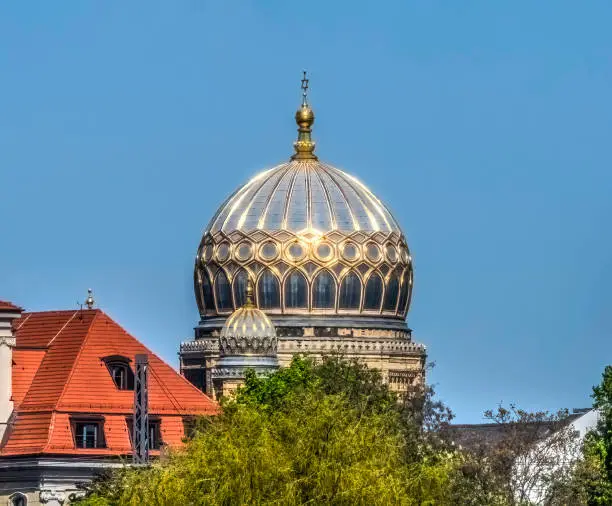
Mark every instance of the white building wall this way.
pixel 7 343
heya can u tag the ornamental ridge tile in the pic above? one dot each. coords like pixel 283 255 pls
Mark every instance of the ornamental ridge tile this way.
pixel 335 236
pixel 363 268
pixel 283 235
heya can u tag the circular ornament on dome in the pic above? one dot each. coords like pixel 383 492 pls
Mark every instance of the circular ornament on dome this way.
pixel 269 251
pixel 244 251
pixel 324 251
pixel 350 251
pixel 405 255
pixel 373 252
pixel 391 253
pixel 207 253
pixel 223 251
pixel 296 251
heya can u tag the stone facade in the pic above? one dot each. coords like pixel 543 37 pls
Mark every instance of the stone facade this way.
pixel 401 361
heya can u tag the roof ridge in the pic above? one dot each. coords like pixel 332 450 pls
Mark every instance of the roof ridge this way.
pixel 57 311
pixel 62 329
pixel 23 322
pixel 76 358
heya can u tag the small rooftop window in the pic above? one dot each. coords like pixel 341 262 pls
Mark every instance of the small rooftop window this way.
pixel 154 433
pixel 121 372
pixel 88 433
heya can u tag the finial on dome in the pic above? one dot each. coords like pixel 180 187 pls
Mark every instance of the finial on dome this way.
pixel 249 294
pixel 304 117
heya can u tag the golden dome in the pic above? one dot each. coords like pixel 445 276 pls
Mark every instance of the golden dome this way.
pixel 314 239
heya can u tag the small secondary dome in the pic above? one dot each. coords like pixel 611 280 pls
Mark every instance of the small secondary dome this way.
pixel 248 332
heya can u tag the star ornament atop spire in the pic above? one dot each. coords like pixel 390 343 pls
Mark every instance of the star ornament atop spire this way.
pixel 305 81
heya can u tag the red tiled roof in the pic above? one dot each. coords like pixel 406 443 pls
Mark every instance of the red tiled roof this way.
pixel 58 373
pixel 25 365
pixel 9 305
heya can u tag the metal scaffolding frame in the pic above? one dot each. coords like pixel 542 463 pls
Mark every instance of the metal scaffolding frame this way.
pixel 141 410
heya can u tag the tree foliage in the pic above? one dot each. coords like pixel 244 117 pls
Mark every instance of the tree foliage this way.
pixel 331 432
pixel 594 474
pixel 328 433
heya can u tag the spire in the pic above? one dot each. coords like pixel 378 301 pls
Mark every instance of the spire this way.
pixel 249 294
pixel 304 117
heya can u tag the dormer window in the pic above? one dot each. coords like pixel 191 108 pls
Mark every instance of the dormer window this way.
pixel 120 371
pixel 88 433
pixel 154 435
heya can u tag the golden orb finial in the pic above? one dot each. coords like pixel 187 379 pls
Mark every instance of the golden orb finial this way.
pixel 304 117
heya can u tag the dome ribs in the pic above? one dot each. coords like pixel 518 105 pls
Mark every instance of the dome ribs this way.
pixel 321 202
pixel 288 199
pixel 264 215
pixel 361 210
pixel 342 202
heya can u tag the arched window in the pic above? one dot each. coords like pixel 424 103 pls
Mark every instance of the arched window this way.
pixel 119 375
pixel 197 287
pixel 240 287
pixel 296 291
pixel 324 291
pixel 268 291
pixel 18 499
pixel 373 292
pixel 350 292
pixel 404 293
pixel 120 371
pixel 223 292
pixel 391 293
pixel 209 302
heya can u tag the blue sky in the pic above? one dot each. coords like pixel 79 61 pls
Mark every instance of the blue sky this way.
pixel 485 126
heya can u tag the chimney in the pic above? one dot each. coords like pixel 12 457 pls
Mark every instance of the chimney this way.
pixel 8 313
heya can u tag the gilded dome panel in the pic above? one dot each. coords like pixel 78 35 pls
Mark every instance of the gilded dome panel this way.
pixel 303 195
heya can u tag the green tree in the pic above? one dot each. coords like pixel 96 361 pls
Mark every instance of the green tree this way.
pixel 594 474
pixel 312 433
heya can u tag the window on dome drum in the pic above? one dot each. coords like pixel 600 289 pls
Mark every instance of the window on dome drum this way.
pixel 350 292
pixel 88 433
pixel 223 292
pixel 268 291
pixel 18 499
pixel 391 293
pixel 323 291
pixel 404 293
pixel 209 302
pixel 373 292
pixel 240 286
pixel 155 438
pixel 296 291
